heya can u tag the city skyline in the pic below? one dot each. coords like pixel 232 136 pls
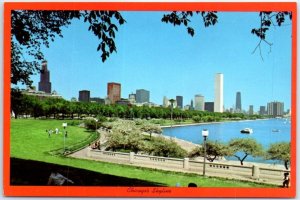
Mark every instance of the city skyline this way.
pixel 166 61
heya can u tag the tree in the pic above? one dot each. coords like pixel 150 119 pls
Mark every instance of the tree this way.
pixel 164 147
pixel 248 146
pixel 280 151
pixel 151 128
pixel 209 18
pixel 30 30
pixel 213 149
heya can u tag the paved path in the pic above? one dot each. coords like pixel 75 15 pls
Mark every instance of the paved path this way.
pixel 187 146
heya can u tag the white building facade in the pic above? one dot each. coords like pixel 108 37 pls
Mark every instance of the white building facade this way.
pixel 199 102
pixel 219 100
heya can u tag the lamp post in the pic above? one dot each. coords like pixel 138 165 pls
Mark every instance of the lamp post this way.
pixel 205 135
pixel 96 120
pixel 172 102
pixel 65 126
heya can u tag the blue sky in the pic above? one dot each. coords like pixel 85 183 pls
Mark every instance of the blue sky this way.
pixel 167 61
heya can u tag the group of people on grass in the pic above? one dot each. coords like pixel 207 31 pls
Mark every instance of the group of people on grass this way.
pixel 56 131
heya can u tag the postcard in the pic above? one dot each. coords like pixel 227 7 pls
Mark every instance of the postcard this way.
pixel 144 99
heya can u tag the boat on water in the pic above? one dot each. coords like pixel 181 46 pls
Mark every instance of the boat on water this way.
pixel 247 130
pixel 275 130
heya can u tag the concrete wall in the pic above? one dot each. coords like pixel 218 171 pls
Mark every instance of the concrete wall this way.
pixel 252 173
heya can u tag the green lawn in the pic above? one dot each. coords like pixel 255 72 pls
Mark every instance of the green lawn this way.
pixel 29 140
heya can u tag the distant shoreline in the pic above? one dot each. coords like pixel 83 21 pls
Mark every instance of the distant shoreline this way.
pixel 206 123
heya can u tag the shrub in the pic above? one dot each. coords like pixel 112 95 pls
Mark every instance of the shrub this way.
pixel 197 118
pixel 101 118
pixel 165 147
pixel 91 124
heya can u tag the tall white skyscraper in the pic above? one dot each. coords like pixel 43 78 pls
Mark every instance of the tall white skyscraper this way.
pixel 219 102
pixel 199 102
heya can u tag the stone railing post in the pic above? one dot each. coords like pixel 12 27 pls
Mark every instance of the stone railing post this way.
pixel 131 157
pixel 186 163
pixel 255 172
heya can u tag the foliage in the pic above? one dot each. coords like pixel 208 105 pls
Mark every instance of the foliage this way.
pixel 266 20
pixel 130 141
pixel 197 118
pixel 248 146
pixel 91 124
pixel 22 104
pixel 280 151
pixel 161 146
pixel 151 128
pixel 101 118
pixel 31 30
pixel 184 17
pixel 213 150
pixel 74 123
pixel 138 121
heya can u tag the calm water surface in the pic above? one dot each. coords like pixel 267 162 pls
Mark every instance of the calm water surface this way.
pixel 224 132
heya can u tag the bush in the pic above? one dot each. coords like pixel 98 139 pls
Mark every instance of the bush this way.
pixel 138 121
pixel 166 148
pixel 101 118
pixel 128 142
pixel 197 118
pixel 74 123
pixel 91 124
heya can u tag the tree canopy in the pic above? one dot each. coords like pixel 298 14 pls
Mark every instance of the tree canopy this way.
pixel 280 151
pixel 214 150
pixel 247 146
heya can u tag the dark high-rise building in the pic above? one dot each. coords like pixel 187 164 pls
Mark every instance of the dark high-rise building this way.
pixel 84 96
pixel 238 102
pixel 179 100
pixel 45 84
pixel 209 106
pixel 142 96
pixel 192 105
pixel 114 92
pixel 251 110
pixel 275 108
pixel 262 110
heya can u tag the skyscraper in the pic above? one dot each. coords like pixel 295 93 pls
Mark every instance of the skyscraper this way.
pixel 275 108
pixel 209 106
pixel 251 110
pixel 142 96
pixel 179 100
pixel 45 84
pixel 114 92
pixel 199 102
pixel 219 101
pixel 84 96
pixel 166 102
pixel 238 103
pixel 262 110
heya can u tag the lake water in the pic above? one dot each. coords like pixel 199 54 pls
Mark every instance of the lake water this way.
pixel 224 132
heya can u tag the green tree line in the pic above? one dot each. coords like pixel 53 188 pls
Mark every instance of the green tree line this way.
pixel 28 105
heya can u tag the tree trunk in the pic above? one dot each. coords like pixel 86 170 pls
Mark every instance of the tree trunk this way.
pixel 286 165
